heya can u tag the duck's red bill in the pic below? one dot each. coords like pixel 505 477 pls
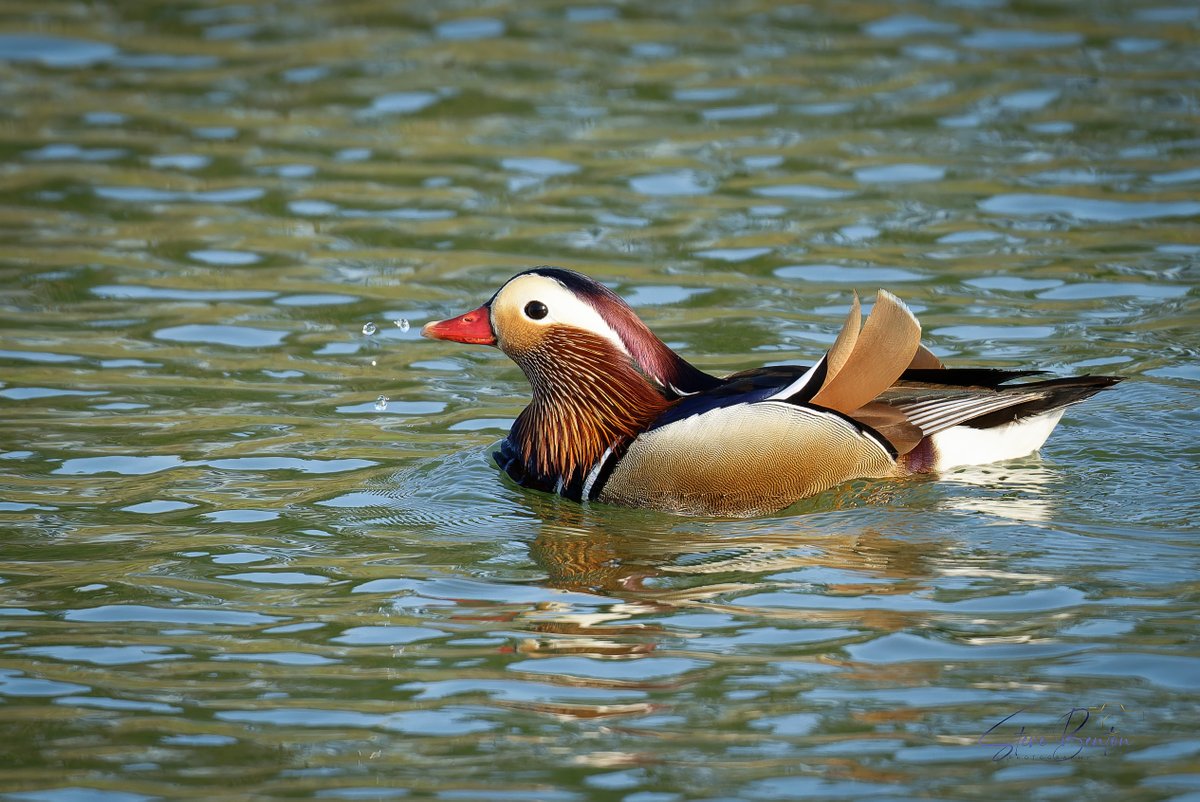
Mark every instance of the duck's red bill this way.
pixel 473 327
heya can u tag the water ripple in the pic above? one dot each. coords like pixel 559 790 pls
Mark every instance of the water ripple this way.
pixel 228 573
pixel 1087 209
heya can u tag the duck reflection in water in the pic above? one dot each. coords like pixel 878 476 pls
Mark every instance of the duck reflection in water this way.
pixel 684 566
pixel 783 570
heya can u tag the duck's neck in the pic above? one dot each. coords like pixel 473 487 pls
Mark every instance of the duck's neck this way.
pixel 588 398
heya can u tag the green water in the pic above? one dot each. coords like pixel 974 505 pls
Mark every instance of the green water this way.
pixel 228 571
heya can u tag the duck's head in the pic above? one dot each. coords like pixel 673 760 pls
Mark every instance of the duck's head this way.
pixel 557 324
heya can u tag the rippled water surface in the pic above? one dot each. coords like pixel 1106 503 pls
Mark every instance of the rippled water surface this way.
pixel 253 545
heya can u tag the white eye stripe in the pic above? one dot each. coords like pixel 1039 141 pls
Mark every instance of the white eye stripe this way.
pixel 562 307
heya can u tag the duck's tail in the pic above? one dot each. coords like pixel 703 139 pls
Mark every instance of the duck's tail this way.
pixel 937 424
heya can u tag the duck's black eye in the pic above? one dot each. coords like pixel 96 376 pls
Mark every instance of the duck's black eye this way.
pixel 536 310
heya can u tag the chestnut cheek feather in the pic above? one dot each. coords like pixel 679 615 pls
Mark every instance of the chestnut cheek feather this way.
pixel 474 327
pixel 587 397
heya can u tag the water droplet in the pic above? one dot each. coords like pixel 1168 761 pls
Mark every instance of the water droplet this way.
pixel 369 328
pixel 401 324
pixel 381 403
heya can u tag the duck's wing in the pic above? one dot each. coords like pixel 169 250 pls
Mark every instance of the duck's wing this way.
pixel 864 360
pixel 879 375
pixel 863 364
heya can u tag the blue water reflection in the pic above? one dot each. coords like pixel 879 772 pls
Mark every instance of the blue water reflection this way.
pixel 252 550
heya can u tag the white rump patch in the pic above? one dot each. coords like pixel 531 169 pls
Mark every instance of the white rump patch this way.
pixel 962 445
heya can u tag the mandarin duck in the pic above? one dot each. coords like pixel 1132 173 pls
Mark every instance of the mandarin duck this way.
pixel 619 418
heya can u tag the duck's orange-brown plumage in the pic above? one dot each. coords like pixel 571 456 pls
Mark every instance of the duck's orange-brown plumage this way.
pixel 587 398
